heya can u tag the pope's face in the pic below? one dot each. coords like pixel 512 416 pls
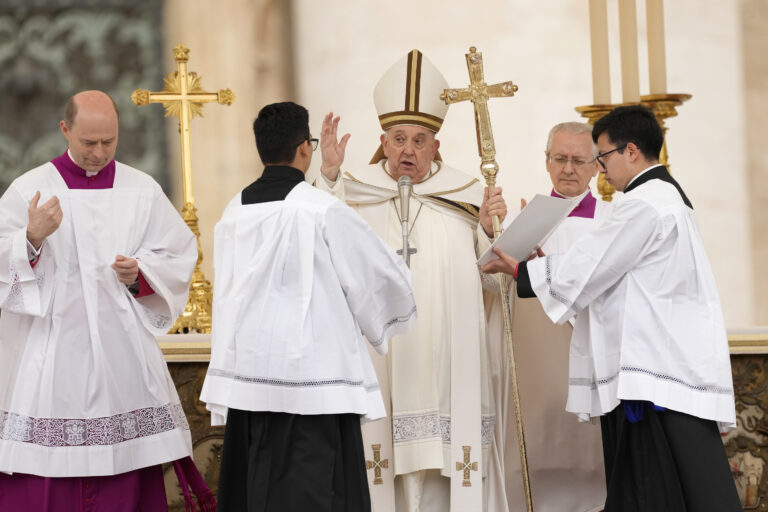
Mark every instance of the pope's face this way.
pixel 570 163
pixel 92 137
pixel 409 151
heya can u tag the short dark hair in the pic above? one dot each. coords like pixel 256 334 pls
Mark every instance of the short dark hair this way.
pixel 70 112
pixel 633 123
pixel 279 129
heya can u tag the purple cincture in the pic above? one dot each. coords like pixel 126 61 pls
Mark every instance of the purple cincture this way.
pixel 75 176
pixel 586 207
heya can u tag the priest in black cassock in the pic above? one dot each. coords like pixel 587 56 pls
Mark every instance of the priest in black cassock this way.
pixel 300 280
pixel 656 366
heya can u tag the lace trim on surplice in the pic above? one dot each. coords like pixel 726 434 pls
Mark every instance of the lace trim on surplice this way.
pixel 104 431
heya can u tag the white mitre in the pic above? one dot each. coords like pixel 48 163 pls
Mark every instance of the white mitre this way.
pixel 409 93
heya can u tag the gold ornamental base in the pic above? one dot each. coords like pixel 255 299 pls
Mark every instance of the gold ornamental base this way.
pixel 662 105
pixel 197 314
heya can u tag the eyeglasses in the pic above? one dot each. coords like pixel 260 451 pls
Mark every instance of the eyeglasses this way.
pixel 561 161
pixel 603 155
pixel 312 142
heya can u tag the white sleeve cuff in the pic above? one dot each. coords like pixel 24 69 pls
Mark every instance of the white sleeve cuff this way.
pixel 32 253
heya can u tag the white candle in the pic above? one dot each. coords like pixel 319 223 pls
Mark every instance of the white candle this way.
pixel 598 33
pixel 630 80
pixel 657 62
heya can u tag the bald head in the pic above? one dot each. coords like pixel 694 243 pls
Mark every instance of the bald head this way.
pixel 90 99
pixel 90 127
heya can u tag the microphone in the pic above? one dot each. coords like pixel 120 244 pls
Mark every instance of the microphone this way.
pixel 404 186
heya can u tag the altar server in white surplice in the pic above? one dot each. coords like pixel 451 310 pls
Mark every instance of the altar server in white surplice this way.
pixel 439 390
pixel 565 462
pixel 94 262
pixel 301 283
pixel 649 354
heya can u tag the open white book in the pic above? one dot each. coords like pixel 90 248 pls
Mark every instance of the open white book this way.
pixel 531 228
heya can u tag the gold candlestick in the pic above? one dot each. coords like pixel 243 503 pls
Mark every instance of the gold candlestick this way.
pixel 662 105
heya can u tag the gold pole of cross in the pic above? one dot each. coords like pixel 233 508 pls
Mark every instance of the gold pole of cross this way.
pixel 478 93
pixel 183 97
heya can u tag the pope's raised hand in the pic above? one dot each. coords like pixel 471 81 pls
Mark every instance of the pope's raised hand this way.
pixel 331 148
pixel 127 269
pixel 43 220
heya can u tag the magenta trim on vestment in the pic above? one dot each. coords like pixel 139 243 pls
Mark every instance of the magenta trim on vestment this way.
pixel 75 176
pixel 586 207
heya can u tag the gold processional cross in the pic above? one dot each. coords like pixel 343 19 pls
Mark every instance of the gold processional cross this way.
pixel 183 96
pixel 478 93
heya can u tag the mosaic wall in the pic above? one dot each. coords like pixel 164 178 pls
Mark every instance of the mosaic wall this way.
pixel 52 49
pixel 747 446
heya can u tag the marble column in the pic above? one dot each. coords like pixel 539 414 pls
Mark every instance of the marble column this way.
pixel 754 19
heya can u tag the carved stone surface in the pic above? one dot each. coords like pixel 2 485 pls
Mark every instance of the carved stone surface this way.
pixel 747 446
pixel 52 49
pixel 206 440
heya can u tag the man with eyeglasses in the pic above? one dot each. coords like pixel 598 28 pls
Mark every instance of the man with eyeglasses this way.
pixel 439 391
pixel 564 459
pixel 300 278
pixel 649 354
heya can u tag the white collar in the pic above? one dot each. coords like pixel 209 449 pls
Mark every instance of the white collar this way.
pixel 641 173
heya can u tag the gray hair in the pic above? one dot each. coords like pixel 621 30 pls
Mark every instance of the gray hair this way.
pixel 573 128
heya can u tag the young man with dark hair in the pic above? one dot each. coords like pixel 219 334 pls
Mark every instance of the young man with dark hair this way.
pixel 655 364
pixel 300 279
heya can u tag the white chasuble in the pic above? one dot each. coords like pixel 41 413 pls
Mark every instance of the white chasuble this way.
pixel 298 284
pixel 436 375
pixel 649 325
pixel 84 388
pixel 565 459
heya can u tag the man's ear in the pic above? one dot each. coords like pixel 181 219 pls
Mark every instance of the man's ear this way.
pixel 634 152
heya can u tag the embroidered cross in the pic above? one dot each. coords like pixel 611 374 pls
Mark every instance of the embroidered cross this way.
pixel 377 464
pixel 466 466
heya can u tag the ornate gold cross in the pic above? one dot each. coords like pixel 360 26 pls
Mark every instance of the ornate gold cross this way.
pixel 183 96
pixel 466 466
pixel 377 464
pixel 478 93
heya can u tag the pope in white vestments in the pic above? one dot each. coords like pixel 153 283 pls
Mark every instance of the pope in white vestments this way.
pixel 565 461
pixel 439 437
pixel 94 262
pixel 649 354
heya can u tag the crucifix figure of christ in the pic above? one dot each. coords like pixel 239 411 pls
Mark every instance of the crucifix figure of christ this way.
pixel 183 96
pixel 478 93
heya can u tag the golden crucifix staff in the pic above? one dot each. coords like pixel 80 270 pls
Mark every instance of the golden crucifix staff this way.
pixel 183 96
pixel 478 93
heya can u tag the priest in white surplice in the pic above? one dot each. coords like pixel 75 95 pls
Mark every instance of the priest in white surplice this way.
pixel 564 456
pixel 436 381
pixel 94 262
pixel 650 353
pixel 300 278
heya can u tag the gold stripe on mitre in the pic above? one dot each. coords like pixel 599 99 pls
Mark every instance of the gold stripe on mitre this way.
pixel 428 121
